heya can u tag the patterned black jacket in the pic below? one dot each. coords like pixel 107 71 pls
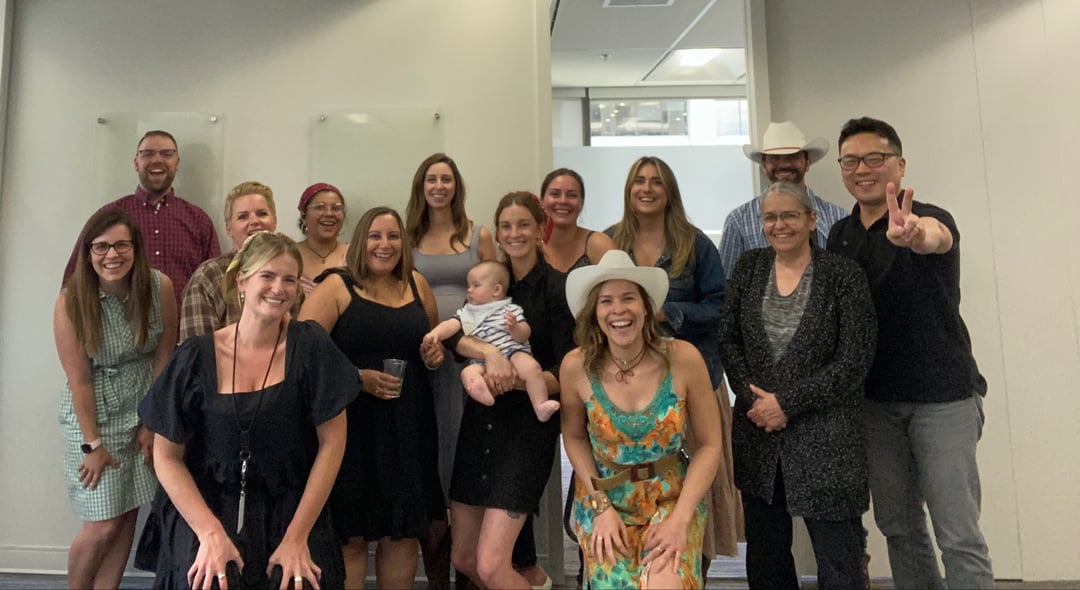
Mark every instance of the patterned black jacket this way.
pixel 818 382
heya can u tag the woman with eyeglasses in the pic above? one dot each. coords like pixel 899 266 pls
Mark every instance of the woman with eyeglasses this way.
pixel 797 339
pixel 322 215
pixel 115 328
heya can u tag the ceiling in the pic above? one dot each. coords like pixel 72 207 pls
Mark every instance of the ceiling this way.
pixel 593 45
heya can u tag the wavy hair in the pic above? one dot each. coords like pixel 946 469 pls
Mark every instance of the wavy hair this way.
pixel 416 212
pixel 83 288
pixel 250 187
pixel 678 231
pixel 594 342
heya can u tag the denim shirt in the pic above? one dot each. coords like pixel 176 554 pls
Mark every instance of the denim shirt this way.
pixel 694 301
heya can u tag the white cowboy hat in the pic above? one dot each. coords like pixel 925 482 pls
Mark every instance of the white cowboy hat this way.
pixel 785 138
pixel 615 264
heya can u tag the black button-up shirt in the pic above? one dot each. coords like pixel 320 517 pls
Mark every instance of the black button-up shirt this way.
pixel 923 348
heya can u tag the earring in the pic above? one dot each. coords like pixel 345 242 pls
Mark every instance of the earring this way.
pixel 241 297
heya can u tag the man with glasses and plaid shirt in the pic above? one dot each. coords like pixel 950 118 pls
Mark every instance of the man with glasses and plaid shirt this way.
pixel 179 236
pixel 784 155
pixel 923 409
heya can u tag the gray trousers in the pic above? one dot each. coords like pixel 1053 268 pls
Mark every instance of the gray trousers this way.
pixel 925 453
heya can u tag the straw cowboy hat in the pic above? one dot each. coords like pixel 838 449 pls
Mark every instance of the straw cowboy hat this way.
pixel 615 264
pixel 785 138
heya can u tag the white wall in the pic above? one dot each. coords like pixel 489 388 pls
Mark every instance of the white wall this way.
pixel 267 66
pixel 984 95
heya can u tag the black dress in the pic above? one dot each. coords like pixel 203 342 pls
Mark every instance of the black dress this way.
pixel 388 485
pixel 504 454
pixel 185 407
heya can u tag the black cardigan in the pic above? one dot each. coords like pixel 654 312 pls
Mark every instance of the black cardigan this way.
pixel 818 382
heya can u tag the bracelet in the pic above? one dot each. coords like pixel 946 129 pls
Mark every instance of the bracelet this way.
pixel 599 502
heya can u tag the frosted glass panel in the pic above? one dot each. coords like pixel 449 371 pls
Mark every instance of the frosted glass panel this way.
pixel 713 180
pixel 199 139
pixel 372 154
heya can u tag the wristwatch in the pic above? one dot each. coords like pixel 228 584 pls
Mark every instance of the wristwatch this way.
pixel 598 502
pixel 89 447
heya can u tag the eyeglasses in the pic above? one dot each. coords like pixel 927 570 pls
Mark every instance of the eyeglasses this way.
pixel 150 154
pixel 322 208
pixel 785 216
pixel 872 160
pixel 102 248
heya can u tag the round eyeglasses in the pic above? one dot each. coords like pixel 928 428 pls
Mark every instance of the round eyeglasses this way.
pixel 322 208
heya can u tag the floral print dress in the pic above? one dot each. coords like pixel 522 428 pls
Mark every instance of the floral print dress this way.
pixel 628 438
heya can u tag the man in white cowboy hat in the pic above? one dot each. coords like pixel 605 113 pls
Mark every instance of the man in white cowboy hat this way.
pixel 784 155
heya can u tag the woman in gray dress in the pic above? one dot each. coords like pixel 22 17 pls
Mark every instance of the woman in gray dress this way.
pixel 445 245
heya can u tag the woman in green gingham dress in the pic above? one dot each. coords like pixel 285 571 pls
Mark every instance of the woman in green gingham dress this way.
pixel 115 327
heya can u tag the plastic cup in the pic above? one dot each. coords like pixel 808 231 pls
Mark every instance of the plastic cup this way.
pixel 395 368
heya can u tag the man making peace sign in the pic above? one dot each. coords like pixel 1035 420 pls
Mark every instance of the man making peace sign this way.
pixel 924 392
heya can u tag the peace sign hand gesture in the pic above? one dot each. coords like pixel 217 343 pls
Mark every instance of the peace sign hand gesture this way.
pixel 904 230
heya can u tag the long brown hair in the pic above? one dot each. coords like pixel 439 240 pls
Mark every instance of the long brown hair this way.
pixel 357 255
pixel 418 222
pixel 594 342
pixel 83 299
pixel 679 233
pixel 530 202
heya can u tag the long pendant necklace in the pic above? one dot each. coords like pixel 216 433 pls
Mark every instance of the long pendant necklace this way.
pixel 319 254
pixel 625 367
pixel 245 433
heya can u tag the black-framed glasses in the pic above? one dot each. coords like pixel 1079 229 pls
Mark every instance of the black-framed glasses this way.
pixel 769 219
pixel 150 154
pixel 121 247
pixel 872 160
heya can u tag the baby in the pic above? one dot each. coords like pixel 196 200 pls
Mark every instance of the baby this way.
pixel 491 316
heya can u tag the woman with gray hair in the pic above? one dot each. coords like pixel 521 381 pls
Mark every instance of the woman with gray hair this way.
pixel 797 338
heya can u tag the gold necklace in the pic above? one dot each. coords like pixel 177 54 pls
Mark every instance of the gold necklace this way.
pixel 625 367
pixel 317 253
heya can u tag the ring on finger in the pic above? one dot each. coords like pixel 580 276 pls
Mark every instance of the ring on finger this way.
pixel 221 575
pixel 298 578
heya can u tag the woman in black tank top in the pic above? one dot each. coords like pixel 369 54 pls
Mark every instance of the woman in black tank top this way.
pixel 388 489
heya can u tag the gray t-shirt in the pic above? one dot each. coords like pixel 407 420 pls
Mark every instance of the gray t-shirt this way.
pixel 782 314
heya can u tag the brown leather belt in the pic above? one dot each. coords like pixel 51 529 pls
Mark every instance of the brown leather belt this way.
pixel 635 473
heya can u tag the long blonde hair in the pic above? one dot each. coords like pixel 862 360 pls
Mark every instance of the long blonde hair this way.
pixel 679 233
pixel 594 342
pixel 83 299
pixel 417 220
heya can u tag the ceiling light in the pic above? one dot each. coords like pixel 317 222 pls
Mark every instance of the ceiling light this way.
pixel 695 58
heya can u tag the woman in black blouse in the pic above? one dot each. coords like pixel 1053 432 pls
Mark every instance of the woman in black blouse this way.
pixel 504 453
pixel 797 338
pixel 249 431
